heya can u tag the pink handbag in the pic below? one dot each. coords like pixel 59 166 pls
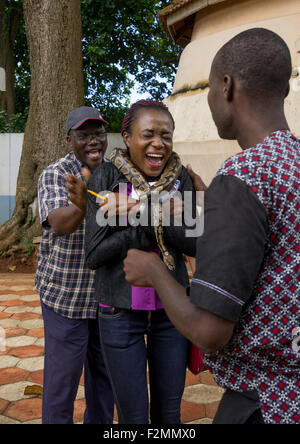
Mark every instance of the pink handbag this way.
pixel 196 362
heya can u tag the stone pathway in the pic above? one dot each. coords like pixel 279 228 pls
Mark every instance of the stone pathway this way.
pixel 21 362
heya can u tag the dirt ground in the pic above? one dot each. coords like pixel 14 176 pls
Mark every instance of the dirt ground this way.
pixel 18 262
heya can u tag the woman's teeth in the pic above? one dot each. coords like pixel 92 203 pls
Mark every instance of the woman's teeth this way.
pixel 160 156
pixel 155 160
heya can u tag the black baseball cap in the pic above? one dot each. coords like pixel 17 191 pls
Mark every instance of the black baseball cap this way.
pixel 79 116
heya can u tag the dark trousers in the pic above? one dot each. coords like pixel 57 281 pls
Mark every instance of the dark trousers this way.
pixel 71 344
pixel 239 408
pixel 126 353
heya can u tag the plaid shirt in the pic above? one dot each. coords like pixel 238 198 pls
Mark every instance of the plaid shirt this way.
pixel 63 279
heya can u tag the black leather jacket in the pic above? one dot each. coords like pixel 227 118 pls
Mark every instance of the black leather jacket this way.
pixel 106 247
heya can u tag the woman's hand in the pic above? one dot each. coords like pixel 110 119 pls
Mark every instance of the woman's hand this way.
pixel 119 204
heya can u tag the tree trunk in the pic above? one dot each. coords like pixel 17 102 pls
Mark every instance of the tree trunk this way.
pixel 8 29
pixel 53 31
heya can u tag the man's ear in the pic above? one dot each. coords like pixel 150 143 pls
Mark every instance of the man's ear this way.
pixel 69 140
pixel 228 88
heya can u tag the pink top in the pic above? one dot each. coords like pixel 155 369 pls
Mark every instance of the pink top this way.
pixel 143 298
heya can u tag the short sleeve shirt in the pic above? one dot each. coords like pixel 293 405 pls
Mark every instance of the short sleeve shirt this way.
pixel 248 272
pixel 64 281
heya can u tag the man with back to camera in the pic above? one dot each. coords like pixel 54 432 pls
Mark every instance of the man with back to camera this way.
pixel 66 285
pixel 243 306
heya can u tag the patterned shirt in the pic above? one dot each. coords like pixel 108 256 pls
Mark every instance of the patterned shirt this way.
pixel 248 272
pixel 63 279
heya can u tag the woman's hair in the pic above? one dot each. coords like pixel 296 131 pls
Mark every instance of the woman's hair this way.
pixel 132 112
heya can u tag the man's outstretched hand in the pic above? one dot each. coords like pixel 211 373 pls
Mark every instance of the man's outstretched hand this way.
pixel 139 267
pixel 77 192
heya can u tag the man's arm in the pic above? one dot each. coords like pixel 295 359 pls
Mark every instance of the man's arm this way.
pixel 206 330
pixel 229 257
pixel 56 191
pixel 66 220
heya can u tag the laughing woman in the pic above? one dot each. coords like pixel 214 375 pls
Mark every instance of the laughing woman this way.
pixel 129 314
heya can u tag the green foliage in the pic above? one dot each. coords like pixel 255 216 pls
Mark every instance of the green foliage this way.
pixel 124 48
pixel 16 124
pixel 124 45
pixel 29 247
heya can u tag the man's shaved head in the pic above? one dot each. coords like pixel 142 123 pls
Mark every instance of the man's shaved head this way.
pixel 260 60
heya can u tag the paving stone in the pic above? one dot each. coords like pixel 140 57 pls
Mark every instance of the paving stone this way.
pixel 37 333
pixel 13 392
pixel 3 405
pixel 25 293
pixel 20 341
pixel 25 410
pixel 40 342
pixel 11 332
pixel 31 324
pixel 30 351
pixel 211 409
pixel 37 310
pixel 19 288
pixel 79 409
pixel 11 375
pixel 33 421
pixel 36 303
pixel 202 394
pixel 12 303
pixel 31 364
pixel 25 316
pixel 4 316
pixel 201 421
pixel 6 420
pixel 36 377
pixel 191 379
pixel 8 297
pixel 4 292
pixel 8 361
pixel 207 378
pixel 21 309
pixel 30 298
pixel 8 323
pixel 80 393
pixel 191 411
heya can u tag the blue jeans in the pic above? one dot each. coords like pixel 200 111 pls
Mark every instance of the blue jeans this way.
pixel 126 354
pixel 71 344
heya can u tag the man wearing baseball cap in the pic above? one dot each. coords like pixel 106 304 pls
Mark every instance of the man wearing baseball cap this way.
pixel 65 284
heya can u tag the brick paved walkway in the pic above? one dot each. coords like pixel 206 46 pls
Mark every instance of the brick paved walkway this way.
pixel 21 362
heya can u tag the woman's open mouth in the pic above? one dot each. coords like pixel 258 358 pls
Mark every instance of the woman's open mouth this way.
pixel 155 161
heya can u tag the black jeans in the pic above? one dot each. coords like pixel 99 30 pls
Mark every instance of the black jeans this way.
pixel 71 344
pixel 126 354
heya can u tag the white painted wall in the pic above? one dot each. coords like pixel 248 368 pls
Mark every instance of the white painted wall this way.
pixel 10 155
